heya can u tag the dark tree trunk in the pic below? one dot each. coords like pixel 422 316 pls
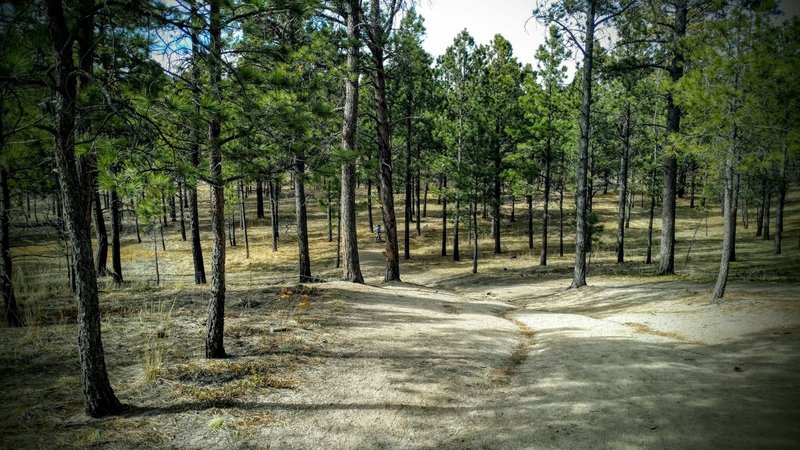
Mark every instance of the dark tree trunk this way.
pixel 781 202
pixel 99 398
pixel 529 201
pixel 548 156
pixel 274 203
pixel 728 224
pixel 561 214
pixel 194 159
pixel 173 213
pixel 734 214
pixel 116 229
pixel 667 255
pixel 425 201
pixel 259 198
pixel 456 246
pixel 623 184
pixel 692 191
pixel 216 304
pixel 408 200
pixel 649 257
pixel 102 236
pixel 444 217
pixel 767 204
pixel 329 210
pixel 496 198
pixel 474 217
pixel 13 316
pixel 244 221
pixel 760 212
pixel 418 190
pixel 581 237
pixel 181 201
pixel 302 218
pixel 369 206
pixel 376 44
pixel 351 270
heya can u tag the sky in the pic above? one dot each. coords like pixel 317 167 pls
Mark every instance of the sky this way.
pixel 444 19
pixel 485 18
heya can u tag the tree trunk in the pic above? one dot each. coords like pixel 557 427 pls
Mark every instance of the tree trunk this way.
pixel 767 204
pixel 244 221
pixel 456 246
pixel 727 236
pixel 667 255
pixel 581 237
pixel 425 201
pixel 623 184
pixel 781 202
pixel 259 198
pixel 761 207
pixel 13 316
pixel 444 217
pixel 116 229
pixel 649 257
pixel 369 206
pixel 474 216
pixel 274 203
pixel 102 236
pixel 529 201
pixel 418 190
pixel 99 398
pixel 181 201
pixel 329 210
pixel 194 158
pixel 548 156
pixel 384 143
pixel 561 214
pixel 216 305
pixel 302 218
pixel 408 201
pixel 496 200
pixel 351 270
pixel 734 214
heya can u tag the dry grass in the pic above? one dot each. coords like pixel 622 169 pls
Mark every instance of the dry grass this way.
pixel 153 335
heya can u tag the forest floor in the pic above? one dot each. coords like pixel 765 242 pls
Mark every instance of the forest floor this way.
pixel 505 358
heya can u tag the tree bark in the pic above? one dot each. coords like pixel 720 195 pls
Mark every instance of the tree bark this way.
pixel 116 229
pixel 216 305
pixel 474 217
pixel 274 204
pixel 194 158
pixel 376 45
pixel 181 197
pixel 727 236
pixel 408 200
pixel 767 205
pixel 781 202
pixel 581 241
pixel 351 267
pixel 99 398
pixel 13 316
pixel 302 218
pixel 623 184
pixel 734 214
pixel 102 236
pixel 548 156
pixel 444 217
pixel 667 255
pixel 259 198
pixel 496 200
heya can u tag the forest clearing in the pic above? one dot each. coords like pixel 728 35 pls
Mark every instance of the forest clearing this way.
pixel 301 224
pixel 505 358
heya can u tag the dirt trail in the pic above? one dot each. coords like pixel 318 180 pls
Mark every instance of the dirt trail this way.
pixel 617 365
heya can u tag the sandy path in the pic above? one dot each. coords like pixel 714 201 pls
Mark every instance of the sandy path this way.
pixel 618 365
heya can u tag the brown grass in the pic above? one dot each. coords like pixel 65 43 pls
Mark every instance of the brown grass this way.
pixel 153 335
